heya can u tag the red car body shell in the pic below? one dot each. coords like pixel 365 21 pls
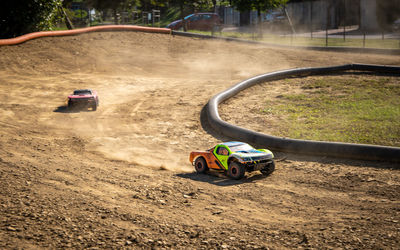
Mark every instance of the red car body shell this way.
pixel 93 95
pixel 84 99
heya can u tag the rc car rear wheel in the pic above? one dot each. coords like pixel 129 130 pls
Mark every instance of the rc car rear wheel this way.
pixel 94 107
pixel 268 169
pixel 236 170
pixel 200 165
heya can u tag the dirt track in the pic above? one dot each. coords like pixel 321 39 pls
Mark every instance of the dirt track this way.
pixel 120 177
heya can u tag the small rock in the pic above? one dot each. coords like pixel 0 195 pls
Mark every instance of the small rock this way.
pixel 11 229
pixel 128 242
pixel 225 246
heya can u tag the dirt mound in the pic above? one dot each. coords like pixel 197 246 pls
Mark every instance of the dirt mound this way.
pixel 98 179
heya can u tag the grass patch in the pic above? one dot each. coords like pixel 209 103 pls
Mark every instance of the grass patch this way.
pixel 307 41
pixel 345 109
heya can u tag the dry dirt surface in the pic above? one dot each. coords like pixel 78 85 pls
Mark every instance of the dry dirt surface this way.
pixel 120 177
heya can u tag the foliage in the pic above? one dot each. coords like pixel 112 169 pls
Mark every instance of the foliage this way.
pixel 259 5
pixel 80 13
pixel 19 17
pixel 387 12
pixel 106 4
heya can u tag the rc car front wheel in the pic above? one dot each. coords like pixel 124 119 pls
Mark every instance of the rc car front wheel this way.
pixel 236 170
pixel 268 169
pixel 200 165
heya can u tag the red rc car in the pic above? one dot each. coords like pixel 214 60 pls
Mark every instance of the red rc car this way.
pixel 83 98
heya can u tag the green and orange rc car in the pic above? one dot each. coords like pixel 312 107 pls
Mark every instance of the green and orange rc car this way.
pixel 234 158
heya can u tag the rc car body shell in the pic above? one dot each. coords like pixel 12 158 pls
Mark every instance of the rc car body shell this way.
pixel 83 98
pixel 223 154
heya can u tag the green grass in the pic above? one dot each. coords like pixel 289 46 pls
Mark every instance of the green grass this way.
pixel 346 110
pixel 308 41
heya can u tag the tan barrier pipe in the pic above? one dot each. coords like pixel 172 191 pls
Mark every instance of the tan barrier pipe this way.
pixel 334 149
pixel 30 36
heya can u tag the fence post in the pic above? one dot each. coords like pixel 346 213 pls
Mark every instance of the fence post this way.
pixel 326 26
pixel 311 19
pixel 156 15
pixel 344 22
pixel 291 39
pixel 364 39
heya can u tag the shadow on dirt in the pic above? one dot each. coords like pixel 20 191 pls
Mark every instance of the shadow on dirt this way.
pixel 220 179
pixel 65 109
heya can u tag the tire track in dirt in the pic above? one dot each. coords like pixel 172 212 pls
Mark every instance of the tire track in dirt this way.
pixel 98 179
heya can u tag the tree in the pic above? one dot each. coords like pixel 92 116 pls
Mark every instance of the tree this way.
pixel 18 17
pixel 259 5
pixel 114 5
pixel 387 11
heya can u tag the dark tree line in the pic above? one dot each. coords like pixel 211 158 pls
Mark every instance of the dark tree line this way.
pixel 18 17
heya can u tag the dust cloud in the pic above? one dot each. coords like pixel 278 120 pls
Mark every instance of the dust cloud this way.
pixel 66 172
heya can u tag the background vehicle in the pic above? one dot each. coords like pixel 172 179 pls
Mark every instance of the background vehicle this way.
pixel 83 98
pixel 276 21
pixel 198 21
pixel 396 25
pixel 235 158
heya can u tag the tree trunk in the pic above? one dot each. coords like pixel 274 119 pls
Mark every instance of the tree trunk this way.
pixel 259 22
pixel 68 22
pixel 115 16
pixel 183 18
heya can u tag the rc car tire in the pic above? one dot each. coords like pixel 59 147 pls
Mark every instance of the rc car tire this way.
pixel 236 170
pixel 268 169
pixel 94 107
pixel 200 165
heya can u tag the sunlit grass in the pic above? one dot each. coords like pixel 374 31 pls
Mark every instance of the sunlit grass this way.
pixel 296 40
pixel 345 110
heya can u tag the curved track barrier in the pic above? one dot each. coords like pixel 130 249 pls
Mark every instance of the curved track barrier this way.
pixel 30 36
pixel 320 148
